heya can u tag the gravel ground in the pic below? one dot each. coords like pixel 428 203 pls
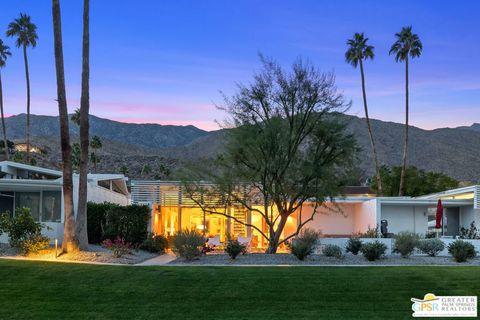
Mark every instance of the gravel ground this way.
pixel 349 260
pixel 95 253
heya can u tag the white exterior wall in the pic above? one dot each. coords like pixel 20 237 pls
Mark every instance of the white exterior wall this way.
pixel 331 220
pixel 98 194
pixel 405 218
pixel 366 215
pixel 467 215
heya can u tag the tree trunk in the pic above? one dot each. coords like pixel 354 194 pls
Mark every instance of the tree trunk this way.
pixel 69 239
pixel 81 221
pixel 27 129
pixel 372 141
pixel 401 190
pixel 275 236
pixel 4 129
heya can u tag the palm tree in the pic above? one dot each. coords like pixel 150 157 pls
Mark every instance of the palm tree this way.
pixel 76 117
pixel 95 144
pixel 26 33
pixel 358 50
pixel 81 222
pixel 407 44
pixel 4 53
pixel 70 242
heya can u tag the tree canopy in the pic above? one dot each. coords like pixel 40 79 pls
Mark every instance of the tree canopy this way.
pixel 417 182
pixel 285 146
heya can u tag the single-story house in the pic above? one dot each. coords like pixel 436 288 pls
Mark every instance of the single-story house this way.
pixel 40 189
pixel 355 212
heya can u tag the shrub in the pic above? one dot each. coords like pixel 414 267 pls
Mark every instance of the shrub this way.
pixel 370 233
pixel 431 246
pixel 374 250
pixel 119 247
pixel 430 234
pixel 188 244
pixel 462 250
pixel 234 248
pixel 304 244
pixel 128 222
pixel 96 220
pixel 23 231
pixel 469 233
pixel 354 245
pixel 155 244
pixel 405 243
pixel 332 250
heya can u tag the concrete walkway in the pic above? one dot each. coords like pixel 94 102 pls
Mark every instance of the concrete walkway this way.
pixel 158 261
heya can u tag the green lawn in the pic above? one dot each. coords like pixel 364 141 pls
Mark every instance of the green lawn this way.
pixel 34 290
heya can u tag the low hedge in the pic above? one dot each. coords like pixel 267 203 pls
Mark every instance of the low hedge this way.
pixel 112 221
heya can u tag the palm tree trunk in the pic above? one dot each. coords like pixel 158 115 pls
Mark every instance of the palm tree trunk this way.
pixel 4 129
pixel 369 127
pixel 69 240
pixel 27 76
pixel 401 190
pixel 81 225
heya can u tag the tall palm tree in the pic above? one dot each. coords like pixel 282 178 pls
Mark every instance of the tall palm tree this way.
pixel 4 53
pixel 81 221
pixel 358 50
pixel 70 242
pixel 407 45
pixel 26 33
pixel 95 144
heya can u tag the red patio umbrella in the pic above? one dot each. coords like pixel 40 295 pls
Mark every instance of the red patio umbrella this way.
pixel 438 222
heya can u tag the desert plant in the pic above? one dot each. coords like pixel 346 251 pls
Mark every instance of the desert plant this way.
pixel 23 231
pixel 155 244
pixel 234 248
pixel 119 247
pixel 461 250
pixel 305 243
pixel 354 245
pixel 188 244
pixel 430 234
pixel 370 233
pixel 332 250
pixel 373 250
pixel 469 233
pixel 431 246
pixel 405 243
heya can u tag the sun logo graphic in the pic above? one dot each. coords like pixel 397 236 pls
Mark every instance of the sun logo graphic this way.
pixel 444 306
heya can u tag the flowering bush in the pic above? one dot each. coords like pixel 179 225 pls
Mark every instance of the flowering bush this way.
pixel 119 247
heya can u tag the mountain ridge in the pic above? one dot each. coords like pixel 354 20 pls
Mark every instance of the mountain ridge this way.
pixel 453 151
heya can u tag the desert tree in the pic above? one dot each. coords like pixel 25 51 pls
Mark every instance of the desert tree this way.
pixel 407 45
pixel 25 32
pixel 359 51
pixel 4 54
pixel 286 146
pixel 70 242
pixel 81 221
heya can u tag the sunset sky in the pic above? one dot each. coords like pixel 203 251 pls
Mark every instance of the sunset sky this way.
pixel 166 61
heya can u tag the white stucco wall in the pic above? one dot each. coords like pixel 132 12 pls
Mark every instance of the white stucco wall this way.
pixel 467 215
pixel 365 215
pixel 98 194
pixel 404 218
pixel 331 220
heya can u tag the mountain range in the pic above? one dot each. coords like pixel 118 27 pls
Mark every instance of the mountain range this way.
pixel 165 148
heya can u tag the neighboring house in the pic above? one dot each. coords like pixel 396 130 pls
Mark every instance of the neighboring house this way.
pixel 356 211
pixel 40 189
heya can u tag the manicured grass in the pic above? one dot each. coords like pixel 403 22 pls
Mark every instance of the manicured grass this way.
pixel 34 290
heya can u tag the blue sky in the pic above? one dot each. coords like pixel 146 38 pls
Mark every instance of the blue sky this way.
pixel 166 61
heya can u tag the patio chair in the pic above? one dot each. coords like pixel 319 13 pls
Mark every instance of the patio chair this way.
pixel 246 241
